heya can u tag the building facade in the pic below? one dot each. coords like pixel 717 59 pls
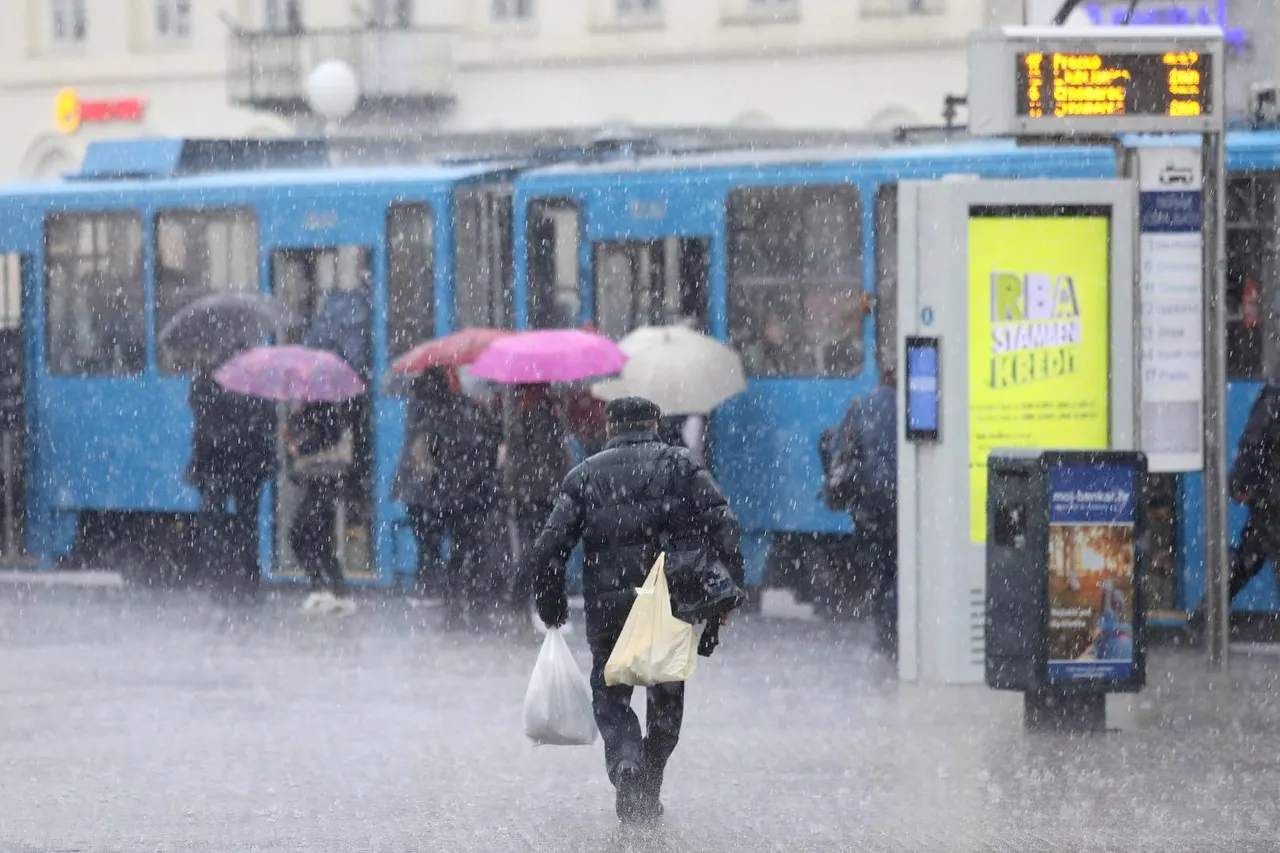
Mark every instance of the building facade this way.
pixel 72 71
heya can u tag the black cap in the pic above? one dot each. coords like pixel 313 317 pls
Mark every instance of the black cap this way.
pixel 631 410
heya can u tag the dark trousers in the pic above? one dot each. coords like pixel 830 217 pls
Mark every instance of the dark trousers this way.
pixel 469 576
pixel 428 532
pixel 1259 542
pixel 312 538
pixel 620 727
pixel 228 536
pixel 876 550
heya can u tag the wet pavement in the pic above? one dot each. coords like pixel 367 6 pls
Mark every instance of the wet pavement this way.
pixel 151 721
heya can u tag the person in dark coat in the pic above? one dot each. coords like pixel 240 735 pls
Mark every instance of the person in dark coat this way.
pixel 537 460
pixel 319 443
pixel 625 504
pixel 1255 482
pixel 344 327
pixel 447 477
pixel 232 457
pixel 868 448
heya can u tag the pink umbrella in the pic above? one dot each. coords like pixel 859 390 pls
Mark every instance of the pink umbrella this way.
pixel 290 373
pixel 557 355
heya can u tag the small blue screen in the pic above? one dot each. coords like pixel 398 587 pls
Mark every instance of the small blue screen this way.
pixel 922 389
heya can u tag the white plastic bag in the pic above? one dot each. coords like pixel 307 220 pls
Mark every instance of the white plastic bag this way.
pixel 557 705
pixel 654 647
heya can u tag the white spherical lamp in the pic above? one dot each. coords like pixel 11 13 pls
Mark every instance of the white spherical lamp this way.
pixel 333 90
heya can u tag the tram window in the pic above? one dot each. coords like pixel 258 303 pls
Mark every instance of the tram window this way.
pixel 795 280
pixel 650 283
pixel 200 253
pixel 551 233
pixel 1251 273
pixel 886 299
pixel 95 295
pixel 483 289
pixel 411 277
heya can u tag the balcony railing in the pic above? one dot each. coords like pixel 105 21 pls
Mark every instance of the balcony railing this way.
pixel 268 70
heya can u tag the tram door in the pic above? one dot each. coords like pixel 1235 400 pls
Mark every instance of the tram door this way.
pixel 13 456
pixel 650 283
pixel 328 293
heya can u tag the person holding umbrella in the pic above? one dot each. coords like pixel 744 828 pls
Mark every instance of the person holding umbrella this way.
pixel 320 448
pixel 447 479
pixel 232 457
pixel 233 435
pixel 319 444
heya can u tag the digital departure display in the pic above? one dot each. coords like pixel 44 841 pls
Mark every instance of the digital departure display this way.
pixel 1175 84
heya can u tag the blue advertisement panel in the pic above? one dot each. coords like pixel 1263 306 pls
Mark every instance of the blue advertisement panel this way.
pixel 1091 572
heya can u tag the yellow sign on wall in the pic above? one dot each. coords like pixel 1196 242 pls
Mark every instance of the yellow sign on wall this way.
pixel 66 111
pixel 1038 339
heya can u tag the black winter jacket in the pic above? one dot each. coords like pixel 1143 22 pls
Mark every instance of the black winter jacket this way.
pixel 233 440
pixel 624 504
pixel 1257 468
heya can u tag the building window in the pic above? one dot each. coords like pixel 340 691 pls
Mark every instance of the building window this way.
pixel 173 18
pixel 630 9
pixel 511 10
pixel 284 16
pixel 200 253
pixel 795 280
pixel 902 8
pixel 392 14
pixel 411 277
pixel 68 21
pixel 95 294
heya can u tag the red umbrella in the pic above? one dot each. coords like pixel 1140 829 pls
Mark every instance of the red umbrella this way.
pixel 456 350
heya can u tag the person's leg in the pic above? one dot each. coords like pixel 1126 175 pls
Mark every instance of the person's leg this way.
pixel 308 535
pixel 326 520
pixel 242 525
pixel 428 533
pixel 620 730
pixel 212 527
pixel 883 543
pixel 664 716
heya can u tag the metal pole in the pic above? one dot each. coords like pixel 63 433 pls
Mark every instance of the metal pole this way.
pixel 1217 578
pixel 1127 169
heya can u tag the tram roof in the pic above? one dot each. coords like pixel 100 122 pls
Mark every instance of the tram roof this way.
pixel 297 178
pixel 1251 143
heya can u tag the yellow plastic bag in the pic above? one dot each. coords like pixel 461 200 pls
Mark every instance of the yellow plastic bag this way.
pixel 654 647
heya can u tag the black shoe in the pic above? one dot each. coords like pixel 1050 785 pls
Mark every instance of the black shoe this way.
pixel 629 799
pixel 651 787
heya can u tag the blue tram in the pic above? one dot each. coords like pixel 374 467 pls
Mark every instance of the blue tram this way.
pixel 105 257
pixel 772 252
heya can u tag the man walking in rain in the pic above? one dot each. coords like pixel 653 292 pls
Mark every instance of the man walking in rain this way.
pixel 627 503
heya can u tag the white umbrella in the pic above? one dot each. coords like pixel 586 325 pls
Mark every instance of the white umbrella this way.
pixel 683 371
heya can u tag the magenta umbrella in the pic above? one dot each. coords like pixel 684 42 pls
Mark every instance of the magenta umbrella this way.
pixel 556 355
pixel 291 374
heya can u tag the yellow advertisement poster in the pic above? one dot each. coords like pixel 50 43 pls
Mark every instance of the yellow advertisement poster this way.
pixel 1038 348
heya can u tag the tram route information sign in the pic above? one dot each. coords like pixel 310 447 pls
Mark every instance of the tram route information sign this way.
pixel 1172 299
pixel 1038 336
pixel 1174 83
